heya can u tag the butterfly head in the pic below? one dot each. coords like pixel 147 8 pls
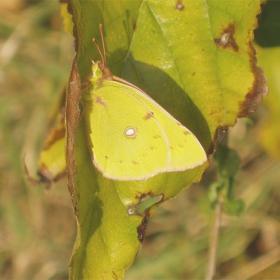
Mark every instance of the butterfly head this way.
pixel 96 73
pixel 99 73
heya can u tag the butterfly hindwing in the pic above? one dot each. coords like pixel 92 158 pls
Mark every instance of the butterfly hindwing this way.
pixel 186 151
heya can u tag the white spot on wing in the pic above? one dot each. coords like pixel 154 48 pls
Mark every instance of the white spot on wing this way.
pixel 130 132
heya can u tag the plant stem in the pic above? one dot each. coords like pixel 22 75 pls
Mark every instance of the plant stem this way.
pixel 214 242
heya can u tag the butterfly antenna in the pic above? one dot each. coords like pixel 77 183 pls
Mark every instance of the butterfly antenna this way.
pixel 102 55
pixel 99 51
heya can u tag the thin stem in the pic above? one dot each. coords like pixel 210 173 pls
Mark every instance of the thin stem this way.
pixel 214 242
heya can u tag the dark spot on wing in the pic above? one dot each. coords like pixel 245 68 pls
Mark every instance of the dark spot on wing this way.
pixel 148 116
pixel 99 100
pixel 157 136
pixel 134 24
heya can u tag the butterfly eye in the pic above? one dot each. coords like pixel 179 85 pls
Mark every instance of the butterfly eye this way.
pixel 130 132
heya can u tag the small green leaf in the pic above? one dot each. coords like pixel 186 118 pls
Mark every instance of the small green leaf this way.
pixel 228 161
pixel 214 190
pixel 234 207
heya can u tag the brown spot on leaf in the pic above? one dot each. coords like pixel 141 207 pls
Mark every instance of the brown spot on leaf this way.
pixel 226 39
pixel 212 147
pixel 141 229
pixel 223 129
pixel 179 6
pixel 258 89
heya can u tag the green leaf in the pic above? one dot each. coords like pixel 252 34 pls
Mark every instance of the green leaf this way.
pixel 109 227
pixel 197 62
pixel 228 161
pixel 234 207
pixel 214 190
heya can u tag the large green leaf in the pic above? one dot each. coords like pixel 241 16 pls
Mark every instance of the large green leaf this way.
pixel 195 59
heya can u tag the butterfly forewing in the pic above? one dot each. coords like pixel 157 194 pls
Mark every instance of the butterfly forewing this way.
pixel 127 142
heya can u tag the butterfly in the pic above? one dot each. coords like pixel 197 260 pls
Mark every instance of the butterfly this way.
pixel 131 137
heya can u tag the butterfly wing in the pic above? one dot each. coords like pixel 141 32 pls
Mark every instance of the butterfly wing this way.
pixel 126 139
pixel 186 151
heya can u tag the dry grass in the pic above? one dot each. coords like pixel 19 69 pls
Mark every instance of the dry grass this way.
pixel 37 227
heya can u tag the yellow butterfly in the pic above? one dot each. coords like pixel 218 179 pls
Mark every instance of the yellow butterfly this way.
pixel 132 137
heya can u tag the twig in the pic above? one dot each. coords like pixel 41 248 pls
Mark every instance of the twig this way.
pixel 214 242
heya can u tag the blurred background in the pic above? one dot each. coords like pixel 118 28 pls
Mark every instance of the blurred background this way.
pixel 37 226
